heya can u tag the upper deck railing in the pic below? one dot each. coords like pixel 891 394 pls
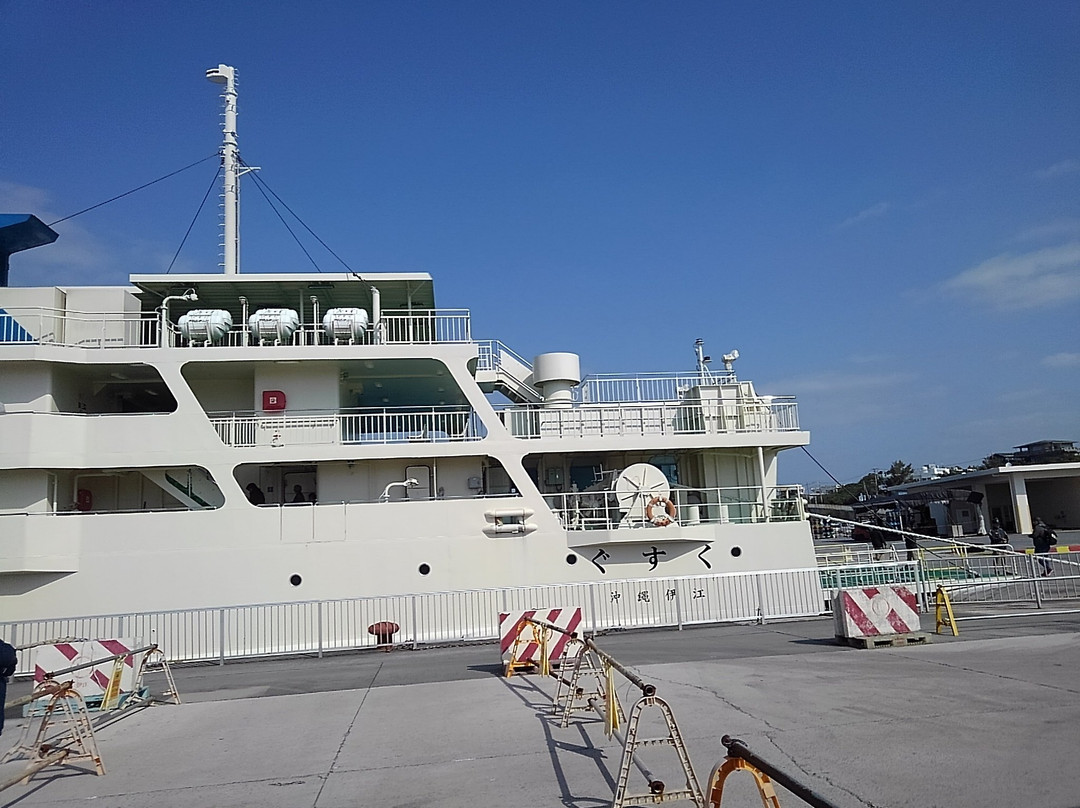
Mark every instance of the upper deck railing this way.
pixel 136 329
pixel 533 421
pixel 611 388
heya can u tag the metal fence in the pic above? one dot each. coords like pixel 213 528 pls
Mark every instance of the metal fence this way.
pixel 667 419
pixel 352 426
pixel 979 587
pixel 981 580
pixel 1021 582
pixel 318 627
pixel 602 510
pixel 613 388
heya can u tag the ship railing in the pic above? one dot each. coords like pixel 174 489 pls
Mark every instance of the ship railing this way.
pixel 381 425
pixel 529 421
pixel 603 510
pixel 424 327
pixel 37 325
pixel 416 327
pixel 491 353
pixel 613 388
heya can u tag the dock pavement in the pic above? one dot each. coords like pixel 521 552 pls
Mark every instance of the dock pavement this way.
pixel 989 718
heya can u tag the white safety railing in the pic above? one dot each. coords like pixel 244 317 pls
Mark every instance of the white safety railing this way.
pixel 1017 579
pixel 318 627
pixel 532 421
pixel 136 329
pixel 973 574
pixel 491 352
pixel 615 388
pixel 427 326
pixel 601 510
pixel 358 426
pixel 47 326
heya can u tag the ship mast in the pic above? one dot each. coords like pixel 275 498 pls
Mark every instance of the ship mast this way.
pixel 230 164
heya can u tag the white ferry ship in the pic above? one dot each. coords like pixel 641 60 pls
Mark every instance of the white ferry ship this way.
pixel 205 440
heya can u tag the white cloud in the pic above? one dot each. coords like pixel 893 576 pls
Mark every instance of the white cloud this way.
pixel 1028 280
pixel 78 256
pixel 1061 169
pixel 872 212
pixel 1062 360
pixel 1068 228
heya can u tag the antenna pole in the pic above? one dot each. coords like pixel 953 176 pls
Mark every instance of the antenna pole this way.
pixel 230 163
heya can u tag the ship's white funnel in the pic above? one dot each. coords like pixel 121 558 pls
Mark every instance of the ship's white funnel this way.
pixel 556 375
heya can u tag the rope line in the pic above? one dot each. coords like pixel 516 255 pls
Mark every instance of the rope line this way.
pixel 259 185
pixel 133 190
pixel 262 184
pixel 840 484
pixel 202 204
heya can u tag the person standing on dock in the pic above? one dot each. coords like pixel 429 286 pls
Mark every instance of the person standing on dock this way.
pixel 9 660
pixel 998 534
pixel 1042 537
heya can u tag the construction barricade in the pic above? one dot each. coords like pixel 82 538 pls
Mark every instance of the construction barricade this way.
pixel 60 730
pixel 877 616
pixel 586 681
pixel 102 671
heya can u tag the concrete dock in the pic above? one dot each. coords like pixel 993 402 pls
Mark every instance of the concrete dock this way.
pixel 990 718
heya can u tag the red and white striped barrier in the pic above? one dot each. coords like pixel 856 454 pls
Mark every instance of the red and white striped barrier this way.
pixel 90 682
pixel 875 611
pixel 528 650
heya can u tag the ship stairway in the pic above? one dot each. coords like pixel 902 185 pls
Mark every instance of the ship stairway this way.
pixel 193 487
pixel 498 369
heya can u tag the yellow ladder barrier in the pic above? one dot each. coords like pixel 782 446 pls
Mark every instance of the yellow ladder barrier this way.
pixel 540 636
pixel 64 727
pixel 944 607
pixel 736 764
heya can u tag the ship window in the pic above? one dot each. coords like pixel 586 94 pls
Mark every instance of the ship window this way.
pixel 571 559
pixel 424 569
pixel 107 389
pixel 668 465
pixel 736 551
pixel 295 580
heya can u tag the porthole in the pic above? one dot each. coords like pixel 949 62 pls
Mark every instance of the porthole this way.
pixel 736 551
pixel 571 559
pixel 295 580
pixel 424 569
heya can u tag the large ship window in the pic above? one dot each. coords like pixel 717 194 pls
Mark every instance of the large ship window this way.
pixel 111 490
pixel 84 389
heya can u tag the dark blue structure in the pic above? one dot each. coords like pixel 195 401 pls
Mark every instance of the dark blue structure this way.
pixel 18 232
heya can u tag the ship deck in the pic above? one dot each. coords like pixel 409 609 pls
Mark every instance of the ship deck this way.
pixel 939 724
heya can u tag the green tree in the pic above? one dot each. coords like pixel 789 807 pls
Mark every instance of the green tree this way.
pixel 898 474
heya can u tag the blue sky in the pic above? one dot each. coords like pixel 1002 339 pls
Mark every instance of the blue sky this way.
pixel 877 204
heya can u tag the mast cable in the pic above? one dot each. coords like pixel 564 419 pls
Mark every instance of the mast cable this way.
pixel 259 184
pixel 133 190
pixel 202 204
pixel 259 181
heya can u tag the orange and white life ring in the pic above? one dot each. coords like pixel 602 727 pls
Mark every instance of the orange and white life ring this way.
pixel 666 517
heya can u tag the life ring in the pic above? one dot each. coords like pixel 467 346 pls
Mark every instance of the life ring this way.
pixel 661 519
